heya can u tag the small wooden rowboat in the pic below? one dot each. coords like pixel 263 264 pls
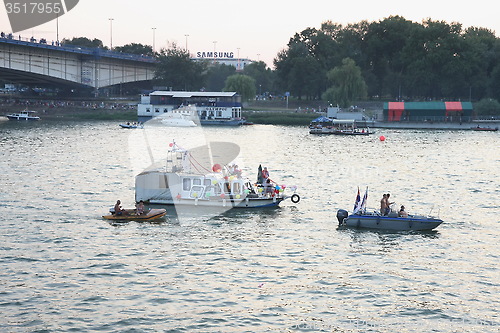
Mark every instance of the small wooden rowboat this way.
pixel 131 215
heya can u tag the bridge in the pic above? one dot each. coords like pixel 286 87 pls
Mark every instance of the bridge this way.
pixel 38 63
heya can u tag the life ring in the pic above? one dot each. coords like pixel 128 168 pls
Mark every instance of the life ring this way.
pixel 295 198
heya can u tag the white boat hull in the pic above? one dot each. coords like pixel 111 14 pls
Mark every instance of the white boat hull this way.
pixel 219 202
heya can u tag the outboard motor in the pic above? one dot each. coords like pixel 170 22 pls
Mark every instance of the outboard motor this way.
pixel 342 215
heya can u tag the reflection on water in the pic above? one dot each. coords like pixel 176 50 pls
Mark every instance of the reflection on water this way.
pixel 285 269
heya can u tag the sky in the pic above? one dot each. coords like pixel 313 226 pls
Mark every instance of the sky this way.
pixel 257 30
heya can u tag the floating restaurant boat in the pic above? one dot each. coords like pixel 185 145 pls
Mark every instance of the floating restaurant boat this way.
pixel 23 115
pixel 131 215
pixel 323 125
pixel 205 177
pixel 361 218
pixel 205 108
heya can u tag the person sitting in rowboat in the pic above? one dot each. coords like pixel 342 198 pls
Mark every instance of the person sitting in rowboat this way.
pixel 139 208
pixel 119 210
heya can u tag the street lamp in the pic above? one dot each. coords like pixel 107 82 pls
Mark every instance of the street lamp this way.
pixel 154 29
pixel 186 41
pixel 238 67
pixel 111 32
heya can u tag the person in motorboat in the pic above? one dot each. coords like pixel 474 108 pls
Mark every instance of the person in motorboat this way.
pixel 387 205
pixel 383 204
pixel 119 210
pixel 402 212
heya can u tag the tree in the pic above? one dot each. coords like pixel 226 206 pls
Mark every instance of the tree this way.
pixel 298 71
pixel 348 84
pixel 244 85
pixel 135 48
pixel 175 69
pixel 217 75
pixel 261 74
pixel 487 107
pixel 84 42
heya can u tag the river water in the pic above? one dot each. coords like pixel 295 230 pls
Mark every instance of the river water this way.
pixel 65 269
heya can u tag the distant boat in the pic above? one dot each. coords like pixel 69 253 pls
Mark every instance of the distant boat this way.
pixel 132 125
pixel 204 108
pixel 23 115
pixel 131 215
pixel 323 125
pixel 486 129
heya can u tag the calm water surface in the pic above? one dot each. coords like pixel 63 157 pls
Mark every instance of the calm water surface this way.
pixel 63 268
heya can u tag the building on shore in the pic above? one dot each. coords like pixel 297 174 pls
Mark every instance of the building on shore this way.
pixel 428 112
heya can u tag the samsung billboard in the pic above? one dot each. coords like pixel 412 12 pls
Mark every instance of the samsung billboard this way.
pixel 215 55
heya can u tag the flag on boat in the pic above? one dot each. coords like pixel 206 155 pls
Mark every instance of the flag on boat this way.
pixel 360 205
pixel 356 203
pixel 363 202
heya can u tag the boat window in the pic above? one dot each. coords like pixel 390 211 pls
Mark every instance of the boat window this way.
pixel 197 181
pixel 163 181
pixel 236 188
pixel 157 110
pixel 165 110
pixel 219 114
pixel 207 182
pixel 212 191
pixel 227 188
pixel 186 184
pixel 196 192
pixel 148 110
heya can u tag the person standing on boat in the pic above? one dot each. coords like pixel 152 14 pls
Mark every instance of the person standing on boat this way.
pixel 265 175
pixel 388 204
pixel 383 204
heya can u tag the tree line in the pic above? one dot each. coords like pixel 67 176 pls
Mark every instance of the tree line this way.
pixel 390 59
pixel 398 59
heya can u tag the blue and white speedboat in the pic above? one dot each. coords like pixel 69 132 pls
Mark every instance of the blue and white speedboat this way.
pixel 361 218
pixel 373 220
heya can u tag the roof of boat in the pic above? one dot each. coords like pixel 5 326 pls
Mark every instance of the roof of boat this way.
pixel 187 94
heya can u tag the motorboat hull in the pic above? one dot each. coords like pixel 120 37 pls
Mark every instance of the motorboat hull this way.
pixel 152 214
pixel 391 223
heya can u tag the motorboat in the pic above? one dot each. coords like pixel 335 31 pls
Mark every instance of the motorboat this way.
pixel 485 129
pixel 23 115
pixel 374 220
pixel 362 218
pixel 206 176
pixel 132 125
pixel 131 215
pixel 323 125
